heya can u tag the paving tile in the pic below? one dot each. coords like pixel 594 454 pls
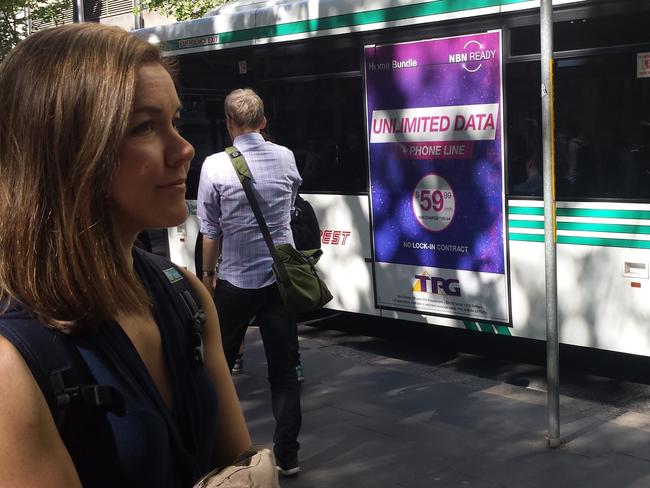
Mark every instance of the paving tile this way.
pixel 447 478
pixel 529 464
pixel 371 421
pixel 605 437
pixel 349 457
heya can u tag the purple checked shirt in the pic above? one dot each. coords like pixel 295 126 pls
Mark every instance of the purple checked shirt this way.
pixel 223 209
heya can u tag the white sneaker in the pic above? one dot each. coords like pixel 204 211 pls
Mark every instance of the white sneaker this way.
pixel 288 471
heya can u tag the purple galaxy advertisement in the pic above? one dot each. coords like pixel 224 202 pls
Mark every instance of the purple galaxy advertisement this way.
pixel 436 170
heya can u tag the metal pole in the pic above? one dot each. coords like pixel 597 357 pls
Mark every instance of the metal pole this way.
pixel 80 11
pixel 138 19
pixel 552 336
pixel 26 13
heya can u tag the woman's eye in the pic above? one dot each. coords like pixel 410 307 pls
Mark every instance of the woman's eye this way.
pixel 143 128
pixel 178 125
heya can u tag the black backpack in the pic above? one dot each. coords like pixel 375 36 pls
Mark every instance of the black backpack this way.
pixel 304 226
pixel 78 404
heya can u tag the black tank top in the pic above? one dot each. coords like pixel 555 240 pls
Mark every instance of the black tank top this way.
pixel 157 446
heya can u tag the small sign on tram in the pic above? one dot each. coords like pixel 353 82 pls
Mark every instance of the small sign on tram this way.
pixel 643 65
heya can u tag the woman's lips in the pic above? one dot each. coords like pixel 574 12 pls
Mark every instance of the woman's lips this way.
pixel 174 184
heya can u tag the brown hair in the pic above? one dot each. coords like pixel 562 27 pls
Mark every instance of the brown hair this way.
pixel 245 108
pixel 65 97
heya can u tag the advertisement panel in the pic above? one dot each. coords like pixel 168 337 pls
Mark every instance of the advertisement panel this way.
pixel 437 176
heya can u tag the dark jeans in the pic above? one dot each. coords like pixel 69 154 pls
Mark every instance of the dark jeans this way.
pixel 236 307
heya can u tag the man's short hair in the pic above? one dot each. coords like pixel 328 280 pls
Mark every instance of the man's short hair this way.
pixel 245 108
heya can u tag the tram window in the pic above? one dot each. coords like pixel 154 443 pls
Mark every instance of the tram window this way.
pixel 317 57
pixel 202 124
pixel 524 129
pixel 525 40
pixel 602 115
pixel 602 128
pixel 321 121
pixel 584 33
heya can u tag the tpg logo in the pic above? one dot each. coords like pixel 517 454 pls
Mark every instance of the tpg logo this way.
pixel 435 285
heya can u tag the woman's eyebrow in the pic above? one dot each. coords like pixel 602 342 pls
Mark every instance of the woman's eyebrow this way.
pixel 154 109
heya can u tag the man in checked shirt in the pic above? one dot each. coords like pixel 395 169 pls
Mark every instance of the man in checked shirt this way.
pixel 245 286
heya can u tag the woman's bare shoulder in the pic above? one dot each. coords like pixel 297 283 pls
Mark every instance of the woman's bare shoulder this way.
pixel 204 295
pixel 13 369
pixel 31 450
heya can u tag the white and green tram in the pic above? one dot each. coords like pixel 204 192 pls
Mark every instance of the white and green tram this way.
pixel 416 125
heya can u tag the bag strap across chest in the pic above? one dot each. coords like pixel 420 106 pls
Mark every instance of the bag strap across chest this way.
pixel 243 173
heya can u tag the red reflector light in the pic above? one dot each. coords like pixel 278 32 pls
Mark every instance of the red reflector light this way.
pixel 635 284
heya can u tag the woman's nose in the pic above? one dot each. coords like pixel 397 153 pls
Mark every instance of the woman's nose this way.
pixel 182 152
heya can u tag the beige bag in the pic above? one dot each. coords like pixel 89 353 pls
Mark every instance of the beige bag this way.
pixel 255 468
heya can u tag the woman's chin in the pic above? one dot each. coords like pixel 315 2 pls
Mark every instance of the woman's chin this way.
pixel 164 218
pixel 179 217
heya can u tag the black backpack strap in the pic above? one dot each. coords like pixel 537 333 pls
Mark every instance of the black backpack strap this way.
pixel 186 300
pixel 57 367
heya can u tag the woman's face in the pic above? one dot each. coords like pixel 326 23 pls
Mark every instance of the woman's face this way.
pixel 148 188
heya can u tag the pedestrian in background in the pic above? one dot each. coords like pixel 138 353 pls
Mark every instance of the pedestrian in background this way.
pixel 246 286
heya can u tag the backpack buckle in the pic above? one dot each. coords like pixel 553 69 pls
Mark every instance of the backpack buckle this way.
pixel 197 319
pixel 105 397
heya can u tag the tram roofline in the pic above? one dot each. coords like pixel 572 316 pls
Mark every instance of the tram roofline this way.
pixel 252 22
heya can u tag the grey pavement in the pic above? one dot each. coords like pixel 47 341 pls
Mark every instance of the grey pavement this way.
pixel 371 420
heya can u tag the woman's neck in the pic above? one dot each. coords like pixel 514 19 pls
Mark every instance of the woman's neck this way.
pixel 127 241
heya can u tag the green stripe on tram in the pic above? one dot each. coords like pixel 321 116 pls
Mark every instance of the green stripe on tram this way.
pixel 526 210
pixel 598 213
pixel 502 330
pixel 584 241
pixel 526 224
pixel 601 213
pixel 471 325
pixel 514 236
pixel 487 327
pixel 583 227
pixel 517 228
pixel 603 241
pixel 616 228
pixel 390 14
